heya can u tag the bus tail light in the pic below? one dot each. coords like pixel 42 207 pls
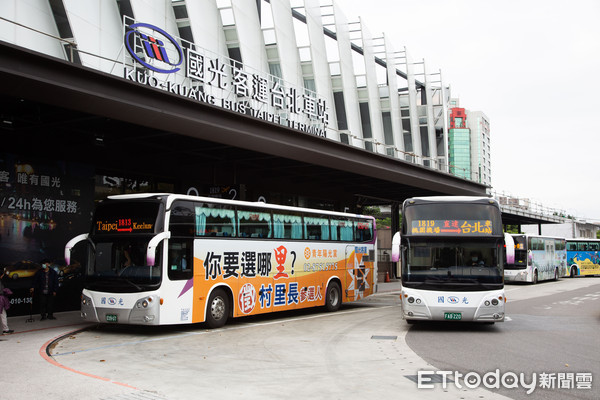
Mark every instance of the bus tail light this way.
pixel 161 301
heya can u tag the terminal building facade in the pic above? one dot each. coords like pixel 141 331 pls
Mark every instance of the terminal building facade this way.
pixel 283 101
pixel 307 67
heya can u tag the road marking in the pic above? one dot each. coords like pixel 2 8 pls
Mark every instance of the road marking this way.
pixel 44 354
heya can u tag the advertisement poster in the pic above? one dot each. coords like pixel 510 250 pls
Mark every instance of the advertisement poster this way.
pixel 43 204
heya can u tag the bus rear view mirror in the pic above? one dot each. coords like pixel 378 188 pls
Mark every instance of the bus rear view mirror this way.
pixel 396 247
pixel 509 243
pixel 70 244
pixel 152 245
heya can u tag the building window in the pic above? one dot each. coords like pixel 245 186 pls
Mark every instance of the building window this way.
pixel 365 120
pixel 340 110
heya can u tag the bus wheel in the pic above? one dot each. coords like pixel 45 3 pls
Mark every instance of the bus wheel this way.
pixel 217 309
pixel 573 272
pixel 535 277
pixel 333 298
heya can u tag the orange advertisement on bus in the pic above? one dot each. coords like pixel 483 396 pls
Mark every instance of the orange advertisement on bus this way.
pixel 277 276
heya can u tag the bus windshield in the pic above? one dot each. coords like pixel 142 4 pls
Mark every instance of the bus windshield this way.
pixel 121 231
pixel 119 265
pixel 453 264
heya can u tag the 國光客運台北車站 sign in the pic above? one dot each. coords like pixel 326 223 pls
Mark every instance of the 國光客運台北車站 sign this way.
pixel 188 71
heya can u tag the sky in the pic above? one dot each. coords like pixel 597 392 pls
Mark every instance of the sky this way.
pixel 532 67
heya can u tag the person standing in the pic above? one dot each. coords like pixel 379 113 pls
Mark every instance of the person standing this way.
pixel 45 285
pixel 4 305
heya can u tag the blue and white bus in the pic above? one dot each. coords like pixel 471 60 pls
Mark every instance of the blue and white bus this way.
pixel 452 252
pixel 583 257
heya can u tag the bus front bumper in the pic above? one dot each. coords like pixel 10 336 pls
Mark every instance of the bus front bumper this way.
pixel 453 306
pixel 516 275
pixel 100 307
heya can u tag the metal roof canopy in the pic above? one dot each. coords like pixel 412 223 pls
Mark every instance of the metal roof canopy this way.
pixel 165 124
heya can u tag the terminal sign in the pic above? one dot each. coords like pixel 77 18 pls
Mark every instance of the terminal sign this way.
pixel 451 227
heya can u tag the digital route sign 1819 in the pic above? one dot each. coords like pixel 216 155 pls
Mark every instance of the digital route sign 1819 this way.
pixel 451 227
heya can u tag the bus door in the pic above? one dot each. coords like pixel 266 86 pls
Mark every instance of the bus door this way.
pixel 177 281
pixel 551 261
pixel 359 272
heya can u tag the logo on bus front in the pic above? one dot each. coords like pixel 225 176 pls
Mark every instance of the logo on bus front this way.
pixel 159 51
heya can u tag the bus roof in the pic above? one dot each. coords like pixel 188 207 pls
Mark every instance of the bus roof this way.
pixel 451 199
pixel 171 197
pixel 538 236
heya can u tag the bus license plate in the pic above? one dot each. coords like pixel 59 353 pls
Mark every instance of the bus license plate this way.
pixel 111 318
pixel 453 316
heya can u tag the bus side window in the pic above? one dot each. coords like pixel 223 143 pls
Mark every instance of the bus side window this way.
pixel 316 228
pixel 254 224
pixel 572 246
pixel 182 221
pixel 341 229
pixel 363 230
pixel 287 226
pixel 180 260
pixel 215 220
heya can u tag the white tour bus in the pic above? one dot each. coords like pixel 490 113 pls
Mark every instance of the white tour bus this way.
pixel 452 252
pixel 156 259
pixel 537 258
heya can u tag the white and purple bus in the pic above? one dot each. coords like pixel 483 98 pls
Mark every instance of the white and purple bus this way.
pixel 452 253
pixel 537 258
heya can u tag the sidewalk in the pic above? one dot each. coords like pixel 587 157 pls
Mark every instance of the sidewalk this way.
pixel 392 286
pixel 21 325
pixel 28 373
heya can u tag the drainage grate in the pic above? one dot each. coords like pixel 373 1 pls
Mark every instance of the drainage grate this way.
pixel 374 337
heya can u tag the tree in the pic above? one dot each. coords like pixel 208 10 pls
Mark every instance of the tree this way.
pixel 511 229
pixel 382 221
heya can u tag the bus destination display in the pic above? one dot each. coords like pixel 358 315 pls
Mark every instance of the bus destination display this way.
pixel 123 225
pixel 451 227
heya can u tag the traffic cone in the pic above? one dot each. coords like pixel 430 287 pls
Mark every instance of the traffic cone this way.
pixel 387 276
